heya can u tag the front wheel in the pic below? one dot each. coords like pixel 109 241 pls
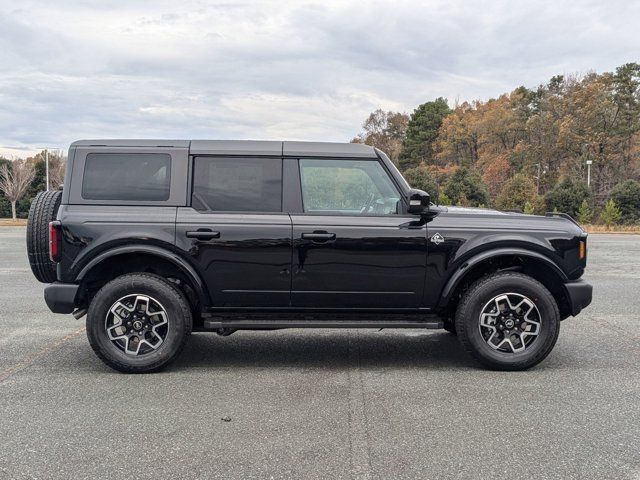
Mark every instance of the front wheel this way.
pixel 138 323
pixel 508 321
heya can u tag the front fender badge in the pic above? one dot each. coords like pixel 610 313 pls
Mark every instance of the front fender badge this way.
pixel 437 239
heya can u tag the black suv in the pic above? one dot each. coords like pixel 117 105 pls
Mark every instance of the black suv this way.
pixel 154 239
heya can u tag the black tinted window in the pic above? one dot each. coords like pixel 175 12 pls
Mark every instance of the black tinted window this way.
pixel 127 176
pixel 237 184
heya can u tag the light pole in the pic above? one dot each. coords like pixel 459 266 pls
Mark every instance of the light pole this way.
pixel 589 162
pixel 46 167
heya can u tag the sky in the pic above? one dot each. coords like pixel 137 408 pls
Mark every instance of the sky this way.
pixel 279 70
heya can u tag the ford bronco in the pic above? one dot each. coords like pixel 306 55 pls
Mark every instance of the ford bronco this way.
pixel 154 239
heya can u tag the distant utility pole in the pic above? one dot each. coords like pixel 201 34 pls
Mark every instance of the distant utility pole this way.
pixel 46 166
pixel 589 162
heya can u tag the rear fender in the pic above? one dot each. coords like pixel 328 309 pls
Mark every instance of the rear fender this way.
pixel 160 252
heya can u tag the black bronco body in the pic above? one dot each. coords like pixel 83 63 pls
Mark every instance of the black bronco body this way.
pixel 265 235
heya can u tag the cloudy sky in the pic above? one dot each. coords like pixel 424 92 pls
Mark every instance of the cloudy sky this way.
pixel 276 70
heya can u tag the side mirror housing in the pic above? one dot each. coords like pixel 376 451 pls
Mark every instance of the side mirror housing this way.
pixel 419 202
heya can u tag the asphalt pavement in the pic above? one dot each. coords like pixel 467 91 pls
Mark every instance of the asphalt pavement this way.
pixel 362 404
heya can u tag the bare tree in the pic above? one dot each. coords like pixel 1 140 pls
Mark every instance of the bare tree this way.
pixel 15 180
pixel 56 173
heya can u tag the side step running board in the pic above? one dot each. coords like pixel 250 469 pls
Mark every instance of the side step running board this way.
pixel 240 324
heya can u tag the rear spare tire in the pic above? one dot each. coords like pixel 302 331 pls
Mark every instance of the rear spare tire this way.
pixel 44 209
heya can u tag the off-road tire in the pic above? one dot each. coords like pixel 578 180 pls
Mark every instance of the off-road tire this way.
pixel 481 292
pixel 178 313
pixel 44 209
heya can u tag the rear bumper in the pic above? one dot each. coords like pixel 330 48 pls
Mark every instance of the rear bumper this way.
pixel 579 294
pixel 61 297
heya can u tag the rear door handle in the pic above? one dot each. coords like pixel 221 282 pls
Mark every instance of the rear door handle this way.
pixel 319 236
pixel 203 234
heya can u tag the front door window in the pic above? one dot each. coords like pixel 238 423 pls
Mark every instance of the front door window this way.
pixel 347 187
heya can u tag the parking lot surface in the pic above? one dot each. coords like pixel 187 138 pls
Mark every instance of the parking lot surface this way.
pixel 323 403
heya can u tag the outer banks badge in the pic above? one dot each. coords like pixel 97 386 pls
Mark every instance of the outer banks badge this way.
pixel 437 239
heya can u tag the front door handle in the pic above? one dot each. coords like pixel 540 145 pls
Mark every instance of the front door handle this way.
pixel 319 237
pixel 203 234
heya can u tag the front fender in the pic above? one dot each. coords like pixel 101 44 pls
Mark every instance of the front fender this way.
pixel 459 274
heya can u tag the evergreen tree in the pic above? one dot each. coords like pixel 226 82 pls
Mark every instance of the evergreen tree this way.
pixel 516 193
pixel 443 199
pixel 420 177
pixel 528 208
pixel 567 196
pixel 627 198
pixel 611 214
pixel 422 131
pixel 466 188
pixel 585 214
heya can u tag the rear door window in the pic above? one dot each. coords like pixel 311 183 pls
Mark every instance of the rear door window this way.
pixel 127 176
pixel 237 184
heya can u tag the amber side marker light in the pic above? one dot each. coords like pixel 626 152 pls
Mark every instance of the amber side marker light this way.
pixel 582 250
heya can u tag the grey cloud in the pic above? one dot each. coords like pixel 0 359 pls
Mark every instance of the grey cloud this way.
pixel 76 69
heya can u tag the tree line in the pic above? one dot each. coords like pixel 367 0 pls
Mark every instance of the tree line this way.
pixel 527 150
pixel 22 179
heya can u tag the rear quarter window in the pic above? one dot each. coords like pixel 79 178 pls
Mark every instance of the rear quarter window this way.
pixel 127 176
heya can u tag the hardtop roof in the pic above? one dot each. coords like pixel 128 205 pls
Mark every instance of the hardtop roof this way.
pixel 246 147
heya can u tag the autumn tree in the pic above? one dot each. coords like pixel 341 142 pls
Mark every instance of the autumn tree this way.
pixel 422 131
pixel 15 180
pixel 458 138
pixel 626 96
pixel 548 134
pixel 551 132
pixel 386 131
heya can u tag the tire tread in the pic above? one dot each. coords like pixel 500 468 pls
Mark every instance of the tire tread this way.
pixel 43 210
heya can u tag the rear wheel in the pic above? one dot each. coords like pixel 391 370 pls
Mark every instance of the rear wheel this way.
pixel 508 321
pixel 138 323
pixel 44 209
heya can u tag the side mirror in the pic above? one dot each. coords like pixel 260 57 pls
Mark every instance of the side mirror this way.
pixel 419 202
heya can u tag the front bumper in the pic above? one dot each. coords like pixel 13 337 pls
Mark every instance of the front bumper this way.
pixel 61 297
pixel 579 294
